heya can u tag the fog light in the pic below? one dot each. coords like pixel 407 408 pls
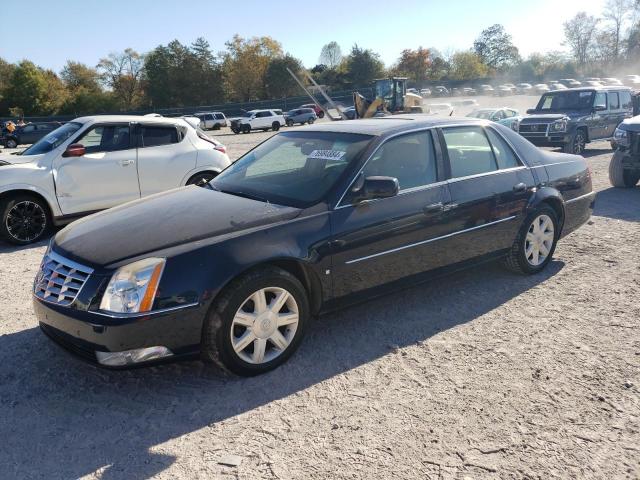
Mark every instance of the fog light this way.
pixel 129 357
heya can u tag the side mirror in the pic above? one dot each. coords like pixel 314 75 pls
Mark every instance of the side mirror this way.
pixel 531 111
pixel 376 187
pixel 74 150
pixel 599 108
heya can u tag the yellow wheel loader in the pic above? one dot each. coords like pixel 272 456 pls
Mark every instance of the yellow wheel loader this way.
pixel 391 97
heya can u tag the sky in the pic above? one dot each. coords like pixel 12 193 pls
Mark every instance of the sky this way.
pixel 50 33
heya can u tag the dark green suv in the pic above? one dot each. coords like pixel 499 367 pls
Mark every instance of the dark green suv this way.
pixel 624 169
pixel 574 117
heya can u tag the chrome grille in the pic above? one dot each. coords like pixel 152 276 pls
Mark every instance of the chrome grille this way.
pixel 532 129
pixel 60 280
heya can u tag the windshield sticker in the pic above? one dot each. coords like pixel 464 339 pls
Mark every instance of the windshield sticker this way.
pixel 51 139
pixel 327 154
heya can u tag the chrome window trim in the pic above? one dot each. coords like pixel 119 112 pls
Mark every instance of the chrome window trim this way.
pixel 586 195
pixel 485 174
pixel 103 313
pixel 424 242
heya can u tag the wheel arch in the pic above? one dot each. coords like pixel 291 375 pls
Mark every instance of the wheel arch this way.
pixel 585 129
pixel 197 171
pixel 553 198
pixel 34 192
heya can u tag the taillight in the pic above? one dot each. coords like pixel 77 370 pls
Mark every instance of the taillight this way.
pixel 216 145
pixel 220 148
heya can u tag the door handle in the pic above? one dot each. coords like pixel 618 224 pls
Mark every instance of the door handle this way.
pixel 520 187
pixel 125 163
pixel 433 208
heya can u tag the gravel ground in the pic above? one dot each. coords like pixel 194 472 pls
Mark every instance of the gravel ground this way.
pixel 484 374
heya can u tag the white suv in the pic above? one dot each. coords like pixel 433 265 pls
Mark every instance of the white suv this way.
pixel 94 163
pixel 258 120
pixel 211 120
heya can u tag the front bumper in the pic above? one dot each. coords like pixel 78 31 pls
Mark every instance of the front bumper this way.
pixel 85 333
pixel 548 140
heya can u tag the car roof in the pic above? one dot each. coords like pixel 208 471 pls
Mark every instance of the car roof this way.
pixel 127 118
pixel 597 88
pixel 389 125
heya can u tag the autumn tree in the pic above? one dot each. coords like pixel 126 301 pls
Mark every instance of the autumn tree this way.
pixel 494 48
pixel 122 73
pixel 467 66
pixel 580 33
pixel 414 64
pixel 331 55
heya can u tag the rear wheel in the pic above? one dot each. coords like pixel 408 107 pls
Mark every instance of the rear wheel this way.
pixel 201 179
pixel 311 120
pixel 321 114
pixel 289 123
pixel 533 248
pixel 11 143
pixel 256 323
pixel 275 126
pixel 25 219
pixel 618 176
pixel 577 144
pixel 246 128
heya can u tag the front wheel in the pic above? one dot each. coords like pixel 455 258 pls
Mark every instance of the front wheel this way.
pixel 11 143
pixel 311 120
pixel 289 123
pixel 577 144
pixel 257 322
pixel 25 219
pixel 618 176
pixel 246 128
pixel 275 126
pixel 321 114
pixel 533 248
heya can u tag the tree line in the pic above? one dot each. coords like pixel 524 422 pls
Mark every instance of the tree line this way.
pixel 248 69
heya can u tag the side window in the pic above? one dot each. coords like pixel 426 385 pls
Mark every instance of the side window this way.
pixel 219 116
pixel 105 138
pixel 504 155
pixel 601 99
pixel 625 100
pixel 209 117
pixel 499 115
pixel 410 158
pixel 469 151
pixel 155 136
pixel 29 128
pixel 614 101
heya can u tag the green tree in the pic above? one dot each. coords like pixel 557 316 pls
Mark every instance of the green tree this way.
pixel 362 67
pixel 467 66
pixel 27 88
pixel 580 34
pixel 495 48
pixel 278 81
pixel 414 64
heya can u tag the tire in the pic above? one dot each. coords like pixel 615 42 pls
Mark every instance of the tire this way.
pixel 17 209
pixel 221 330
pixel 200 179
pixel 518 259
pixel 246 128
pixel 275 126
pixel 235 130
pixel 216 126
pixel 289 123
pixel 618 176
pixel 311 120
pixel 11 143
pixel 578 143
pixel 321 114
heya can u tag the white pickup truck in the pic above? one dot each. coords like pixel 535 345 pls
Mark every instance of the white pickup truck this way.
pixel 94 163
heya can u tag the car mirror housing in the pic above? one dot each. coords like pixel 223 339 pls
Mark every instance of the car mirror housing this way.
pixel 599 108
pixel 74 150
pixel 531 111
pixel 378 187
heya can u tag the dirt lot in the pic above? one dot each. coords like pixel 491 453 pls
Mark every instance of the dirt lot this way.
pixel 484 374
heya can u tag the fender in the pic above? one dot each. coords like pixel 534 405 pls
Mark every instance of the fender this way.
pixel 551 196
pixel 198 169
pixel 51 201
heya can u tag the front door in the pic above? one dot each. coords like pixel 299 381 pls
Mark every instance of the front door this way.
pixel 104 177
pixel 379 241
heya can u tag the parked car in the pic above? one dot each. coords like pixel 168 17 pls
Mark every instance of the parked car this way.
pixel 425 92
pixel 624 168
pixel 570 82
pixel 439 107
pixel 593 83
pixel 258 120
pixel 308 221
pixel 505 90
pixel 301 116
pixel 541 88
pixel 572 118
pixel 632 81
pixel 456 92
pixel 524 89
pixel 350 112
pixel 29 133
pixel 469 91
pixel 487 90
pixel 504 116
pixel 556 86
pixel 440 91
pixel 94 163
pixel 316 108
pixel 610 81
pixel 212 120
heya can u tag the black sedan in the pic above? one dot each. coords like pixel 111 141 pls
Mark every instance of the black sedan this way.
pixel 309 221
pixel 29 133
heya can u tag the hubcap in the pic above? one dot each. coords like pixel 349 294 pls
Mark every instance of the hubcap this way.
pixel 539 240
pixel 264 326
pixel 26 221
pixel 579 144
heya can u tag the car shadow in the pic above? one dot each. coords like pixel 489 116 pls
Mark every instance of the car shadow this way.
pixel 66 418
pixel 619 203
pixel 6 247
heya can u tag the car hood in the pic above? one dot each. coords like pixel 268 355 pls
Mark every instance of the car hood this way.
pixel 559 115
pixel 11 159
pixel 164 220
pixel 631 124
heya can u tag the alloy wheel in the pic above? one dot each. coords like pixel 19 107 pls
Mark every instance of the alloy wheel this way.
pixel 265 325
pixel 26 221
pixel 579 144
pixel 539 240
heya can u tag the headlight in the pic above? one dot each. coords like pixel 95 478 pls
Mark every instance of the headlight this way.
pixel 133 287
pixel 559 126
pixel 621 137
pixel 514 125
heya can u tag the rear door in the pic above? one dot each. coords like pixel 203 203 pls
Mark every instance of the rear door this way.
pixel 165 156
pixel 380 241
pixel 489 188
pixel 104 177
pixel 600 119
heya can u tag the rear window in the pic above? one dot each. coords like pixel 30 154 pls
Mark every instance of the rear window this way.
pixel 625 99
pixel 469 151
pixel 614 101
pixel 219 116
pixel 155 136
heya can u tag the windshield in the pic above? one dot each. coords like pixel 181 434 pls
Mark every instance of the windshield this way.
pixel 293 168
pixel 53 139
pixel 563 101
pixel 247 114
pixel 484 114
